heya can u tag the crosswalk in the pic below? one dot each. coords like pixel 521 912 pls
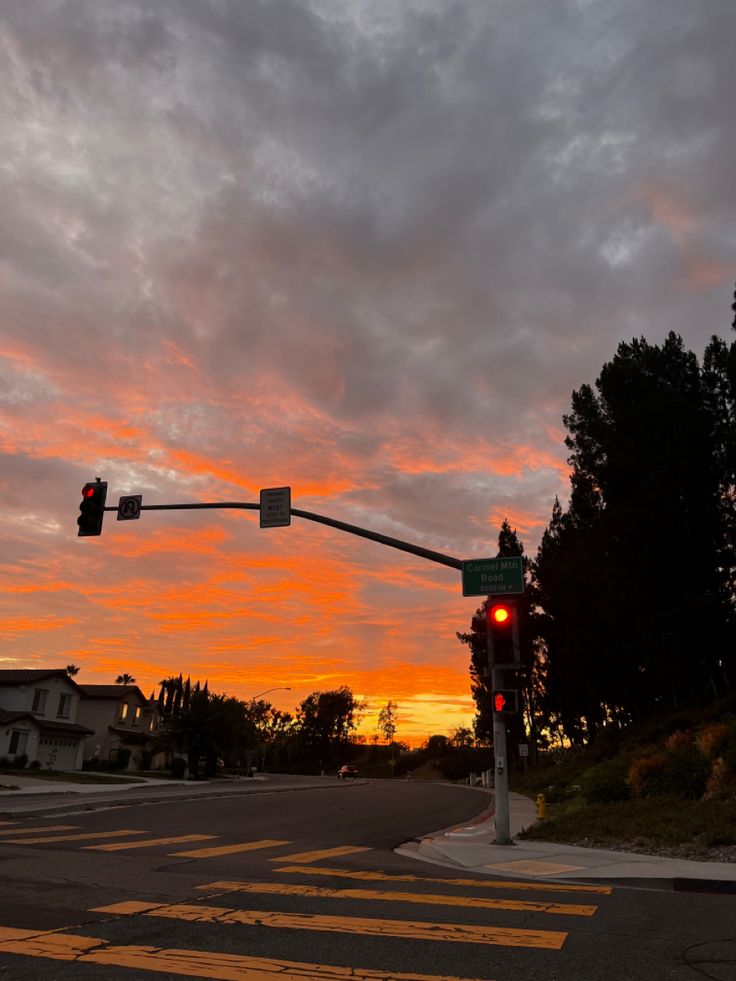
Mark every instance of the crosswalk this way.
pixel 427 911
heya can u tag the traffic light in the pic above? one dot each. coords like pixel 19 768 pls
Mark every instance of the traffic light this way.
pixel 92 508
pixel 505 700
pixel 503 633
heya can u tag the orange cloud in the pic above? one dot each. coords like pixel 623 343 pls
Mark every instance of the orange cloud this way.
pixel 704 273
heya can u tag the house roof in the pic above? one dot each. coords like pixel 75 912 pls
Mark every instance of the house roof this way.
pixel 23 676
pixel 64 728
pixel 6 716
pixel 131 735
pixel 45 725
pixel 112 691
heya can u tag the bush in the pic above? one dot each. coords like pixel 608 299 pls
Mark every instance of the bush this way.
pixel 726 748
pixel 558 795
pixel 121 760
pixel 34 765
pixel 721 782
pixel 645 775
pixel 709 739
pixel 606 782
pixel 178 767
pixel 459 763
pixel 20 761
pixel 683 771
pixel 686 772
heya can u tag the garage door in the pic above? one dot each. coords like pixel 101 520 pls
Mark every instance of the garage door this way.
pixel 57 753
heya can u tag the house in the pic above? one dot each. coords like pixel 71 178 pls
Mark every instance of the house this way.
pixel 120 718
pixel 38 718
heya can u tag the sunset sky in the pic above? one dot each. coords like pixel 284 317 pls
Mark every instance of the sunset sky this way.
pixel 363 248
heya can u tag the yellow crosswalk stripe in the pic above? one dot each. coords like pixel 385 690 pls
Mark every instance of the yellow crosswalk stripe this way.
pixel 82 837
pixel 44 828
pixel 304 857
pixel 370 876
pixel 119 846
pixel 189 963
pixel 243 846
pixel 367 927
pixel 473 902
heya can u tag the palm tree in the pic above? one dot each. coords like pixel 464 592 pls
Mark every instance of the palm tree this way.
pixel 72 669
pixel 125 679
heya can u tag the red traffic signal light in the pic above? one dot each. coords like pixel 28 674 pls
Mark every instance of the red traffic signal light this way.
pixel 499 620
pixel 503 633
pixel 92 508
pixel 500 615
pixel 505 700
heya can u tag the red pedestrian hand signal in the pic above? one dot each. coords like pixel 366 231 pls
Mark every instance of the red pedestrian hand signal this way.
pixel 505 700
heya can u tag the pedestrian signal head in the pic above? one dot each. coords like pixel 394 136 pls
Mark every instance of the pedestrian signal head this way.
pixel 505 700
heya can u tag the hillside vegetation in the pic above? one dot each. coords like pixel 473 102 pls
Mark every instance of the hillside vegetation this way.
pixel 668 787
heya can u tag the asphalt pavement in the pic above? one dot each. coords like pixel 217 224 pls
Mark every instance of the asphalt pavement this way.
pixel 470 846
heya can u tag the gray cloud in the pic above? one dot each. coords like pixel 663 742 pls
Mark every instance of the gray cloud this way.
pixel 368 249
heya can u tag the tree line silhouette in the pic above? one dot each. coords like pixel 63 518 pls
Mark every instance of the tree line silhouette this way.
pixel 629 602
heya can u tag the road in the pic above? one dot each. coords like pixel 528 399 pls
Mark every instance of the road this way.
pixel 304 884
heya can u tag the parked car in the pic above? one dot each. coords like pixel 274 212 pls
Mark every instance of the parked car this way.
pixel 347 771
pixel 219 764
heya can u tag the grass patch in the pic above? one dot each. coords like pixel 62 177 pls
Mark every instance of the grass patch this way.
pixel 77 777
pixel 658 822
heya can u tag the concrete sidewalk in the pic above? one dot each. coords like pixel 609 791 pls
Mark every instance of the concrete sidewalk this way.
pixel 35 796
pixel 471 847
pixel 24 786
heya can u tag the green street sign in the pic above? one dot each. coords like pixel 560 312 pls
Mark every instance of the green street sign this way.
pixel 493 577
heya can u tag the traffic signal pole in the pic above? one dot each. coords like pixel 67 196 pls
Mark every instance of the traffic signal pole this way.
pixel 502 625
pixel 425 553
pixel 133 507
pixel 500 767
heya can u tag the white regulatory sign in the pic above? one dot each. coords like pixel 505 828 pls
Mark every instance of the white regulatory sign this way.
pixel 129 508
pixel 275 507
pixel 523 749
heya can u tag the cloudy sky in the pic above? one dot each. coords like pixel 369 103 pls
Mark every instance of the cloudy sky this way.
pixel 363 249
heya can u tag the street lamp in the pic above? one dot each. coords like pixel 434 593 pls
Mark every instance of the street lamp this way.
pixel 253 702
pixel 268 692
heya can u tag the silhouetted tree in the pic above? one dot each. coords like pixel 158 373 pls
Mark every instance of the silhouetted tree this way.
pixel 327 719
pixel 387 721
pixel 634 583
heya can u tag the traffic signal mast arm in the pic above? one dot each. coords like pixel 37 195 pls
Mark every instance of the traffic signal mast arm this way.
pixel 375 536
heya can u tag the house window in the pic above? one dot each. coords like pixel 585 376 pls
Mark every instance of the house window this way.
pixel 65 706
pixel 123 712
pixel 137 716
pixel 18 740
pixel 39 700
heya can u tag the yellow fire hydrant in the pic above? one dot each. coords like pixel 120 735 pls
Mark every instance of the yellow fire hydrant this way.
pixel 541 807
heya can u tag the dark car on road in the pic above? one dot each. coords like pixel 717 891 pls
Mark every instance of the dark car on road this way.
pixel 347 771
